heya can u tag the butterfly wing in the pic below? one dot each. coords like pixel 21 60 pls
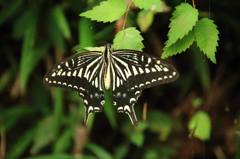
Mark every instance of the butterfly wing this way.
pixel 143 71
pixel 125 100
pixel 82 73
pixel 134 71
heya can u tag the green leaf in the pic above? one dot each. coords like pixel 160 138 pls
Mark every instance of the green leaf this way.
pixel 27 18
pixel 101 48
pixel 160 123
pixel 98 151
pixel 200 125
pixel 9 9
pixel 30 61
pixel 179 46
pixel 53 32
pixel 61 21
pixel 27 53
pixel 183 20
pixel 107 11
pixel 63 143
pixel 11 117
pixel 206 34
pixel 149 4
pixel 129 38
pixel 57 110
pixel 196 102
pixel 137 138
pixel 159 152
pixel 55 156
pixel 44 134
pixel 86 49
pixel 36 90
pixel 145 19
pixel 120 152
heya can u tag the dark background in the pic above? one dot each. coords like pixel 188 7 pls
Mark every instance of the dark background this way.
pixel 37 121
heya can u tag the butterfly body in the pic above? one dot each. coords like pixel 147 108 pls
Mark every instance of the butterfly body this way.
pixel 125 72
pixel 107 66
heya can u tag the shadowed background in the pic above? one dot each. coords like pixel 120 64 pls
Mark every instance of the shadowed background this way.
pixel 39 122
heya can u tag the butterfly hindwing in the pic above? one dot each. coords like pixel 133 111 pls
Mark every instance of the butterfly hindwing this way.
pixel 93 101
pixel 124 100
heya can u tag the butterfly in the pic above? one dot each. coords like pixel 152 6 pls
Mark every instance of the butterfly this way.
pixel 125 72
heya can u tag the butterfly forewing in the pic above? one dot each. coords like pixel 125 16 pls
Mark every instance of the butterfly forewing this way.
pixel 139 70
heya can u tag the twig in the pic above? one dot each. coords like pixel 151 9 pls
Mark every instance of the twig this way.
pixel 125 18
pixel 193 4
pixel 144 112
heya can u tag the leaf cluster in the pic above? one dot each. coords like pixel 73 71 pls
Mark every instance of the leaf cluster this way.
pixel 185 28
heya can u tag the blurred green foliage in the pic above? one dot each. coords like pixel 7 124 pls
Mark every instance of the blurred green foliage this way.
pixel 37 122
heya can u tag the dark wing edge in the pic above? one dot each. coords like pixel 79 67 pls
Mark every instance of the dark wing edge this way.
pixel 125 100
pixel 93 102
pixel 73 73
pixel 134 71
pixel 143 71
pixel 67 64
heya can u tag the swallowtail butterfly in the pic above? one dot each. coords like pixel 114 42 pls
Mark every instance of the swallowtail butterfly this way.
pixel 126 72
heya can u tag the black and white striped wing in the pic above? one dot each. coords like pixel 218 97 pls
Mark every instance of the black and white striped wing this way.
pixel 82 73
pixel 133 71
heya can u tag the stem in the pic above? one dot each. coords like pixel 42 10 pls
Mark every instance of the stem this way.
pixel 144 118
pixel 125 18
pixel 193 3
